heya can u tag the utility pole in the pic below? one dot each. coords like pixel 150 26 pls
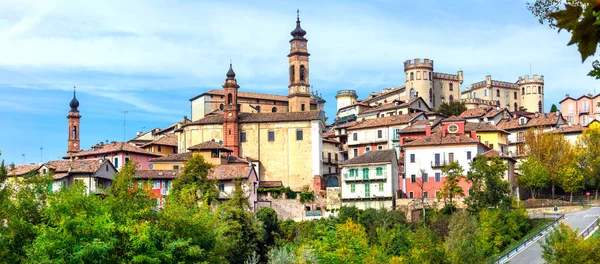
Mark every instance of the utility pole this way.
pixel 124 123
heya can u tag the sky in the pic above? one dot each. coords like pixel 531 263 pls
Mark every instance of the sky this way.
pixel 150 57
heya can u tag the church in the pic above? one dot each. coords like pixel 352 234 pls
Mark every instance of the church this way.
pixel 283 134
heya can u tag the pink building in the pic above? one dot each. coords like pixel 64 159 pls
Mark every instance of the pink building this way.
pixel 581 111
pixel 118 153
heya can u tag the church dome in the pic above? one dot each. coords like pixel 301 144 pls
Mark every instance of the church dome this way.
pixel 298 32
pixel 230 73
pixel 74 103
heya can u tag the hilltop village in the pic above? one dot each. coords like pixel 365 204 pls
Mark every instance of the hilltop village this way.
pixel 387 150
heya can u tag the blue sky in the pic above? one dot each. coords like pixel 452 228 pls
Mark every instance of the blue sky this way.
pixel 150 57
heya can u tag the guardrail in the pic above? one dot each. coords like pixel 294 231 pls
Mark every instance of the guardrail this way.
pixel 590 229
pixel 504 258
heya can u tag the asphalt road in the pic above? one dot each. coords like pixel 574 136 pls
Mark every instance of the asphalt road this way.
pixel 579 220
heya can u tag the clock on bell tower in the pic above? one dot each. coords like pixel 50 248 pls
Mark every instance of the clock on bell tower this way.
pixel 299 87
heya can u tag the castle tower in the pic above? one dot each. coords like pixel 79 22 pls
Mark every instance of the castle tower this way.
pixel 345 98
pixel 299 88
pixel 231 135
pixel 419 81
pixel 73 133
pixel 531 90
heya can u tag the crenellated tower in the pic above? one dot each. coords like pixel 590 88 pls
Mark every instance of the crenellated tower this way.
pixel 231 135
pixel 299 87
pixel 73 133
pixel 531 91
pixel 419 79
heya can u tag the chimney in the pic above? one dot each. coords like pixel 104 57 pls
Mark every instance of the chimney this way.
pixel 457 139
pixel 160 173
pixel 427 130
pixel 443 132
pixel 566 95
pixel 474 135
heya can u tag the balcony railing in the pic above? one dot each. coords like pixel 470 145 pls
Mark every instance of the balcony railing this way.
pixel 439 164
pixel 371 178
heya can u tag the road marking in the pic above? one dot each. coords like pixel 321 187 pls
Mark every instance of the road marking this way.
pixel 591 215
pixel 534 241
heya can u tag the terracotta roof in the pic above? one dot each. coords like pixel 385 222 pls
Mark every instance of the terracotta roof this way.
pixel 63 167
pixel 384 93
pixel 452 119
pixel 355 104
pixel 23 169
pixel 437 139
pixel 345 125
pixel 263 117
pixel 482 127
pixel 235 159
pixel 329 134
pixel 377 156
pixel 495 111
pixel 209 145
pixel 168 140
pixel 419 125
pixel 230 171
pixel 331 140
pixel 550 119
pixel 115 147
pixel 434 113
pixel 262 96
pixel 156 174
pixel 393 105
pixel 495 154
pixel 569 129
pixel 474 112
pixel 270 184
pixel 173 157
pixel 386 121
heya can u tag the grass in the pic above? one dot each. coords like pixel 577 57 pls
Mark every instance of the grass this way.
pixel 537 225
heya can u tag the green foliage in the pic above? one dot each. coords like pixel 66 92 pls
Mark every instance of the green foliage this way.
pixel 498 228
pixel 588 156
pixel 563 246
pixel 572 179
pixel 489 189
pixel 278 191
pixel 454 108
pixel 553 108
pixel 307 197
pixel 194 179
pixel 270 227
pixel 453 173
pixel 534 174
pixel 347 244
pixel 464 242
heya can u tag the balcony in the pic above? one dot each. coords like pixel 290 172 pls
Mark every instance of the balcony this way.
pixel 439 164
pixel 379 178
pixel 584 111
pixel 396 137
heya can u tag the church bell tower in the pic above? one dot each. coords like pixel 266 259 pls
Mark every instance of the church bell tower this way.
pixel 299 88
pixel 231 135
pixel 73 132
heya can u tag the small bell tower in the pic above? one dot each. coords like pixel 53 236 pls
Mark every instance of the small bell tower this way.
pixel 299 87
pixel 73 132
pixel 231 135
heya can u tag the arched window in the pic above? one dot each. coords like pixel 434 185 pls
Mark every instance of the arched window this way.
pixel 430 96
pixel 221 107
pixel 292 72
pixel 302 107
pixel 258 108
pixel 515 95
pixel 522 90
pixel 302 72
pixel 274 109
pixel 412 76
pixel 229 99
pixel 74 136
pixel 516 107
pixel 451 87
pixel 539 89
pixel 429 75
pixel 540 106
pixel 451 98
pixel 498 92
pixel 412 91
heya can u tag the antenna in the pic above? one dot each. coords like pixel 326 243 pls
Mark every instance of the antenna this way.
pixel 124 123
pixel 23 155
pixel 41 154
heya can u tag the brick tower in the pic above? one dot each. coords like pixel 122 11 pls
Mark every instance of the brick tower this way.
pixel 231 135
pixel 74 128
pixel 299 88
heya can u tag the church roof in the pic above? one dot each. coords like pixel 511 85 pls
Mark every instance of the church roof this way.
pixel 250 95
pixel 298 32
pixel 209 145
pixel 262 117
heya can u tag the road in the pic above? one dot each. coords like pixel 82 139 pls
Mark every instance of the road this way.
pixel 579 220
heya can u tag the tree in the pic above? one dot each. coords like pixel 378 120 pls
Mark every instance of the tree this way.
pixel 564 246
pixel 552 150
pixel 588 150
pixel 571 179
pixel 534 174
pixel 453 174
pixel 489 189
pixel 553 108
pixel 579 17
pixel 454 108
pixel 346 244
pixel 463 242
pixel 421 184
pixel 270 228
pixel 194 179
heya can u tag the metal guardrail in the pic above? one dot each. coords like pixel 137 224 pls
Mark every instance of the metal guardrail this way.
pixel 504 258
pixel 590 229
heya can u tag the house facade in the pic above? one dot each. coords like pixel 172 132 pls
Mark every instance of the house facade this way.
pixel 95 175
pixel 582 110
pixel 157 182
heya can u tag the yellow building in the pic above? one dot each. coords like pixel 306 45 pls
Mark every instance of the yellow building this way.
pixel 488 134
pixel 170 162
pixel 18 173
pixel 164 145
pixel 527 92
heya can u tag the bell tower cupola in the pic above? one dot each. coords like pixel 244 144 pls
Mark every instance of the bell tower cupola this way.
pixel 73 132
pixel 299 87
pixel 231 136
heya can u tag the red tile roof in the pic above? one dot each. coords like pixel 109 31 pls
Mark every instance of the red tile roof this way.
pixel 250 95
pixel 452 119
pixel 566 129
pixel 21 170
pixel 270 184
pixel 331 140
pixel 496 154
pixel 437 139
pixel 209 145
pixel 173 157
pixel 218 118
pixel 376 156
pixel 474 112
pixel 114 148
pixel 62 168
pixel 396 104
pixel 230 171
pixel 156 174
pixel 386 121
pixel 482 127
pixel 550 119
pixel 419 125
pixel 168 140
